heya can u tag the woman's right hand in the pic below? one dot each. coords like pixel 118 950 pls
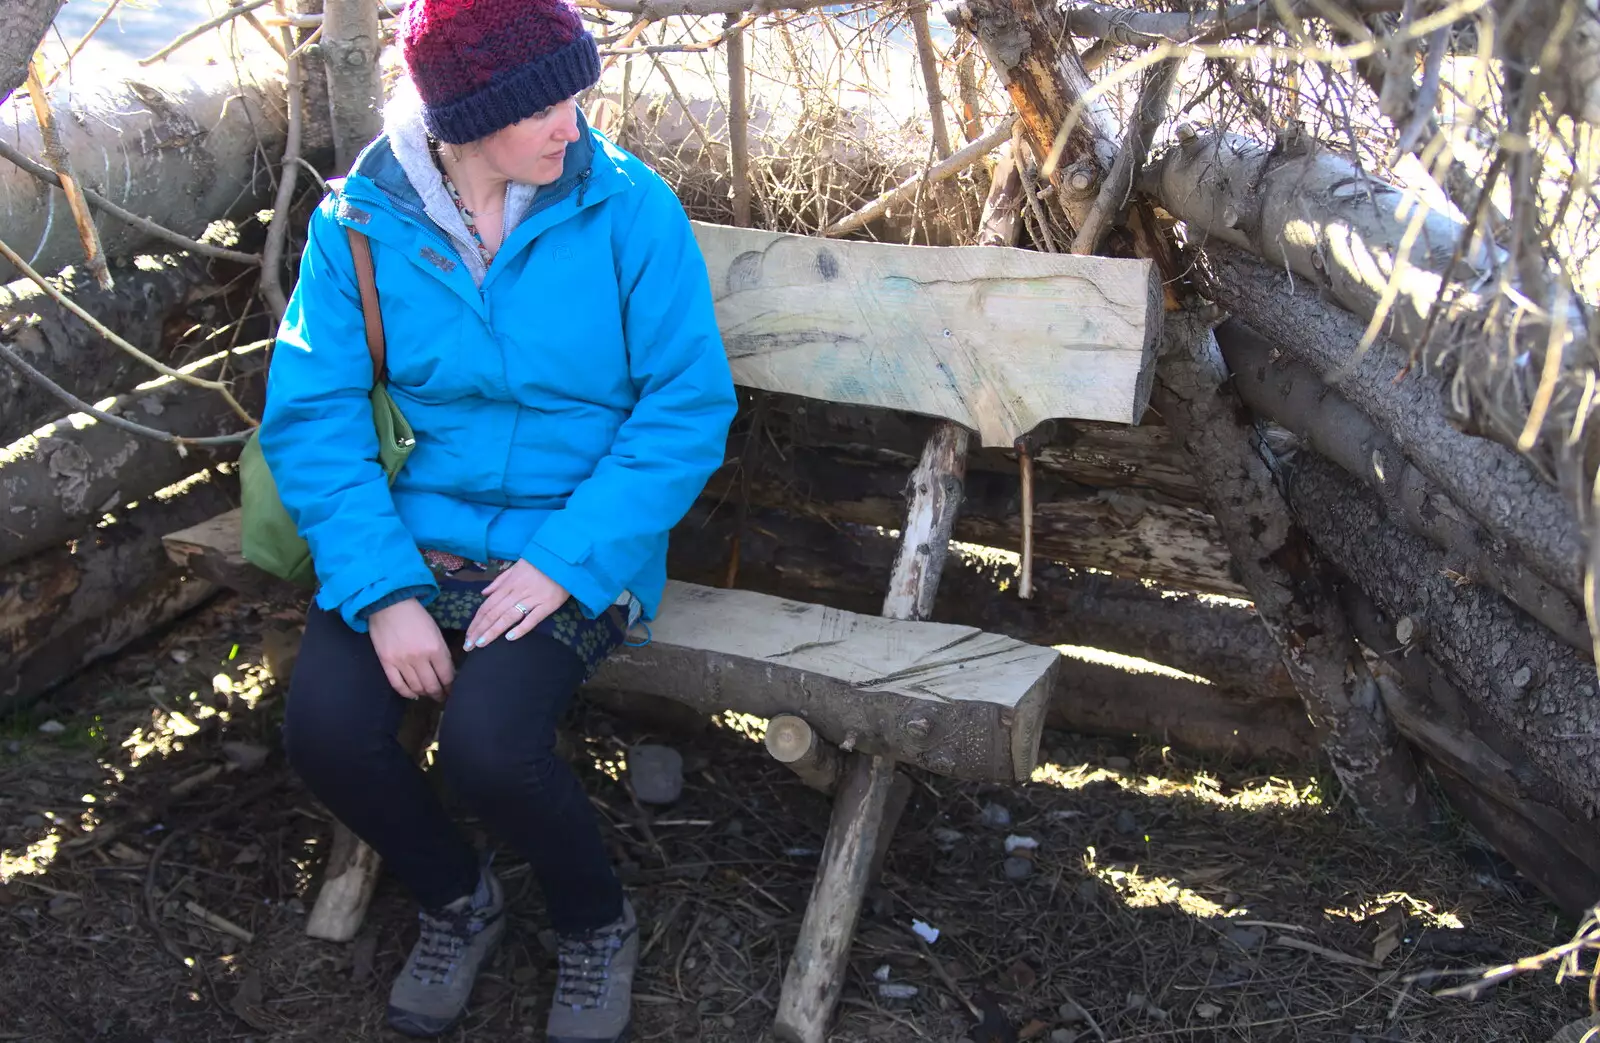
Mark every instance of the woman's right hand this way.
pixel 412 650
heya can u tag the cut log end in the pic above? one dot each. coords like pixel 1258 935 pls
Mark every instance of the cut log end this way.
pixel 793 743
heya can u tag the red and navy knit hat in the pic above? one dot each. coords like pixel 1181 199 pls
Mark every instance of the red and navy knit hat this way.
pixel 481 65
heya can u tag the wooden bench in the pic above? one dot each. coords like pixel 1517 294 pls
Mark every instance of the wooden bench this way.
pixel 992 341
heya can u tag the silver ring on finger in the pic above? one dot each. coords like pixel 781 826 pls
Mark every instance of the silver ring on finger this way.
pixel 520 607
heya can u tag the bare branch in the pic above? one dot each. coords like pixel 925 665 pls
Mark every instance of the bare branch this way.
pixel 11 358
pixel 105 16
pixel 1148 114
pixel 144 224
pixel 56 155
pixel 1127 28
pixel 160 367
pixel 938 172
pixel 203 28
pixel 288 176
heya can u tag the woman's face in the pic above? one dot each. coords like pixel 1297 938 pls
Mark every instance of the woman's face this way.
pixel 533 150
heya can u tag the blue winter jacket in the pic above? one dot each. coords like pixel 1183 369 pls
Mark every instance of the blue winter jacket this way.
pixel 567 412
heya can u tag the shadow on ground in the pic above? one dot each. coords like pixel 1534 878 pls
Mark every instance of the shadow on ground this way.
pixel 1167 899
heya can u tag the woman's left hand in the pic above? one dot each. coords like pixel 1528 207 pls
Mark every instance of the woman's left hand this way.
pixel 518 599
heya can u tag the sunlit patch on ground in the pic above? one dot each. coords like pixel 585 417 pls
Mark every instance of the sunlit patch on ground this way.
pixel 1139 891
pixel 1254 795
pixel 1377 905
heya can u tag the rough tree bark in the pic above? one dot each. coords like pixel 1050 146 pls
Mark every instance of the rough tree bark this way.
pixel 178 147
pixel 1487 776
pixel 69 606
pixel 52 340
pixel 1300 206
pixel 1027 47
pixel 1533 686
pixel 1293 594
pixel 56 482
pixel 1244 705
pixel 1500 488
pixel 1121 533
pixel 1145 460
pixel 1291 394
pixel 350 46
pixel 24 26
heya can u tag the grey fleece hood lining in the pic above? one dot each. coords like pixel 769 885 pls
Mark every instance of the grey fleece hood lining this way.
pixel 408 140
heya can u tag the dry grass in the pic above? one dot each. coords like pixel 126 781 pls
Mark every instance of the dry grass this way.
pixel 1151 871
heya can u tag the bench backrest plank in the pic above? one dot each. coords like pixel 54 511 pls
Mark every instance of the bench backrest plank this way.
pixel 997 340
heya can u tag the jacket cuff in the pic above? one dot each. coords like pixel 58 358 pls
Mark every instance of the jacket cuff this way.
pixel 423 594
pixel 577 581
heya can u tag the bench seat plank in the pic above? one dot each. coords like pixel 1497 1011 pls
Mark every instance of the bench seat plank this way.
pixel 953 699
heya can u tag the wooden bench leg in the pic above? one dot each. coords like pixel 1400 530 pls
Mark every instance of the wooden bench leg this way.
pixel 815 976
pixel 352 872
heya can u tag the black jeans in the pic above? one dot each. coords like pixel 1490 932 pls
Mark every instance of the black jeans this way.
pixel 497 752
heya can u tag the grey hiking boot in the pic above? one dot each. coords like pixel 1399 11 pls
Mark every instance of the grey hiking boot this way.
pixel 594 983
pixel 430 995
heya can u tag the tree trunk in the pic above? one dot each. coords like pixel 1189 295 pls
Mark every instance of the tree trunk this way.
pixel 1026 46
pixel 1287 581
pixel 1289 393
pixel 180 148
pixel 26 22
pixel 1299 206
pixel 1484 771
pixel 1533 686
pixel 65 607
pixel 847 566
pixel 1337 227
pixel 1496 485
pixel 350 46
pixel 56 482
pixel 1143 460
pixel 142 307
pixel 1120 533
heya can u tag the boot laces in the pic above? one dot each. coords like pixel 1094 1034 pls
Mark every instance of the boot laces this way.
pixel 445 936
pixel 584 966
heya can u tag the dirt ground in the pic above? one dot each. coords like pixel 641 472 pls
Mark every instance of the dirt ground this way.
pixel 1168 899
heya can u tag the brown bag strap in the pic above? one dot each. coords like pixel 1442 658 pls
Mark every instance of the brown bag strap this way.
pixel 361 251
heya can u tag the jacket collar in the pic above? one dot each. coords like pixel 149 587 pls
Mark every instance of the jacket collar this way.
pixel 379 179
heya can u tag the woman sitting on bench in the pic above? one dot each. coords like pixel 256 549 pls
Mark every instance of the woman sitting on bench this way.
pixel 551 340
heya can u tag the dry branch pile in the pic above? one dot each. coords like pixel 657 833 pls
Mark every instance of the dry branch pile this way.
pixel 1387 448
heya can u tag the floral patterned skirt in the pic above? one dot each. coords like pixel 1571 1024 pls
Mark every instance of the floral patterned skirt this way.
pixel 461 584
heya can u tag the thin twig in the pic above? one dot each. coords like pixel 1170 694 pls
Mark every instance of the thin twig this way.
pixel 95 324
pixel 266 34
pixel 928 58
pixel 79 405
pixel 700 130
pixel 203 28
pixel 56 155
pixel 938 172
pixel 1031 191
pixel 1148 113
pixel 144 224
pixel 98 22
pixel 288 175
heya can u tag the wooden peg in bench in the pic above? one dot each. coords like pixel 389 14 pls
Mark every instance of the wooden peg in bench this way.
pixel 795 744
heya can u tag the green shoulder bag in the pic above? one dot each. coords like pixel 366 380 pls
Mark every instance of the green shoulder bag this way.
pixel 270 540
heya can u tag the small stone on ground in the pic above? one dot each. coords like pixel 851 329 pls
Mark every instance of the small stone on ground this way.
pixel 656 773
